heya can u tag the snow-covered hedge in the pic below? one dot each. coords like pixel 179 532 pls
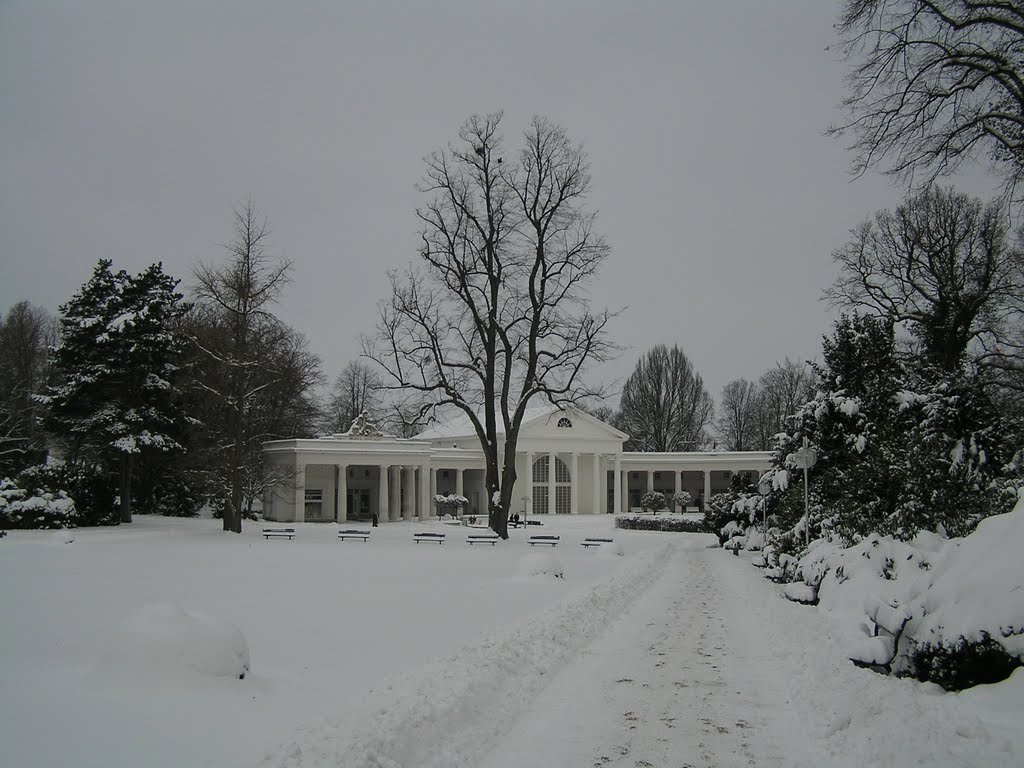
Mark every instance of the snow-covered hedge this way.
pixel 958 603
pixel 36 508
pixel 673 524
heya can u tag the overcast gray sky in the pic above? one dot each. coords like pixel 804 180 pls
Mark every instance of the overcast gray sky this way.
pixel 130 130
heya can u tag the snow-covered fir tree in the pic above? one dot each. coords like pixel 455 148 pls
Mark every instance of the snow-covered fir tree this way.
pixel 114 368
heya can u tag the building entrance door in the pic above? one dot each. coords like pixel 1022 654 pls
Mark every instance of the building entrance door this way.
pixel 358 504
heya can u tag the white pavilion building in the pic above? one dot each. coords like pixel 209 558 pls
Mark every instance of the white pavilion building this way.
pixel 567 462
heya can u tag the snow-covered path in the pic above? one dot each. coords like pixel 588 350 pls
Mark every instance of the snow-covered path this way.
pixel 687 677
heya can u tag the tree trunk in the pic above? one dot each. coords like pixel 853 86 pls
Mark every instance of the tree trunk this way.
pixel 125 487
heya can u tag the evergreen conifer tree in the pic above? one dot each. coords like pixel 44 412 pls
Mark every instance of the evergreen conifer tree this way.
pixel 115 366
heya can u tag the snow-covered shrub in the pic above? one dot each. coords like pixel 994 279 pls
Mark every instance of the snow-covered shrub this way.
pixel 959 601
pixel 449 504
pixel 162 643
pixel 972 603
pixel 653 500
pixel 673 524
pixel 963 663
pixel 729 514
pixel 93 491
pixel 541 564
pixel 681 499
pixel 34 508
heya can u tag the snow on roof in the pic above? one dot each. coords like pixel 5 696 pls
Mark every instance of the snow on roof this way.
pixel 461 426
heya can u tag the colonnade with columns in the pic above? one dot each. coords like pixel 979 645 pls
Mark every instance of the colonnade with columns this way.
pixel 597 483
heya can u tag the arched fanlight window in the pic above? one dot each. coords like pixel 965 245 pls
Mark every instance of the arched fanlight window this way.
pixel 564 423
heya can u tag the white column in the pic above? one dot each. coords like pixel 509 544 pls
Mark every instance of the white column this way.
pixel 382 494
pixel 625 491
pixel 408 492
pixel 433 492
pixel 394 492
pixel 707 487
pixel 617 479
pixel 650 480
pixel 300 491
pixel 458 482
pixel 598 501
pixel 426 481
pixel 551 483
pixel 342 486
pixel 529 483
pixel 576 487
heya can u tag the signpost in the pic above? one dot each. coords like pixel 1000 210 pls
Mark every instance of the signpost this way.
pixel 764 487
pixel 804 459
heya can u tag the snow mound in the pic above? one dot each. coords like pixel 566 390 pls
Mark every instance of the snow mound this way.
pixel 614 549
pixel 162 641
pixel 541 564
pixel 976 588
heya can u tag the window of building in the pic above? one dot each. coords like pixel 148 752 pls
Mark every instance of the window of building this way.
pixel 542 484
pixel 564 423
pixel 314 503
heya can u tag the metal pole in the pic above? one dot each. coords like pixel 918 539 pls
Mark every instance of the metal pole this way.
pixel 807 514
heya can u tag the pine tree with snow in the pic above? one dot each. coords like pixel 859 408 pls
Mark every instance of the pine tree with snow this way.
pixel 115 366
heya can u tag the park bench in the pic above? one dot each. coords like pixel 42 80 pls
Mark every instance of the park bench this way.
pixel 491 539
pixel 533 522
pixel 353 534
pixel 588 543
pixel 552 540
pixel 279 533
pixel 438 537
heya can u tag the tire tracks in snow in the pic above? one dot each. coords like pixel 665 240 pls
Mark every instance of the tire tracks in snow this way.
pixel 450 712
pixel 684 679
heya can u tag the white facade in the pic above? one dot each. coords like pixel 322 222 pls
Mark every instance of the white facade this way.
pixel 349 476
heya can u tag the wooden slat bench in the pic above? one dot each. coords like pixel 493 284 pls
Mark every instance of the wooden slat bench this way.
pixel 353 534
pixel 482 538
pixel 588 543
pixel 552 540
pixel 279 533
pixel 438 537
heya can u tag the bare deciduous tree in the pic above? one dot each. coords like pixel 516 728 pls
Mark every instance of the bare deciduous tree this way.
pixel 240 294
pixel 942 265
pixel 781 390
pixel 26 335
pixel 664 405
pixel 496 313
pixel 935 82
pixel 737 415
pixel 356 389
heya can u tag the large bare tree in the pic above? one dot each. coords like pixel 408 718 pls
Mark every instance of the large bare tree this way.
pixel 238 295
pixel 780 392
pixel 664 405
pixel 941 264
pixel 495 314
pixel 934 83
pixel 737 416
pixel 356 389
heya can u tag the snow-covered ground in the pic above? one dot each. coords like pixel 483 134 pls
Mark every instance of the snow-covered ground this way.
pixel 390 653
